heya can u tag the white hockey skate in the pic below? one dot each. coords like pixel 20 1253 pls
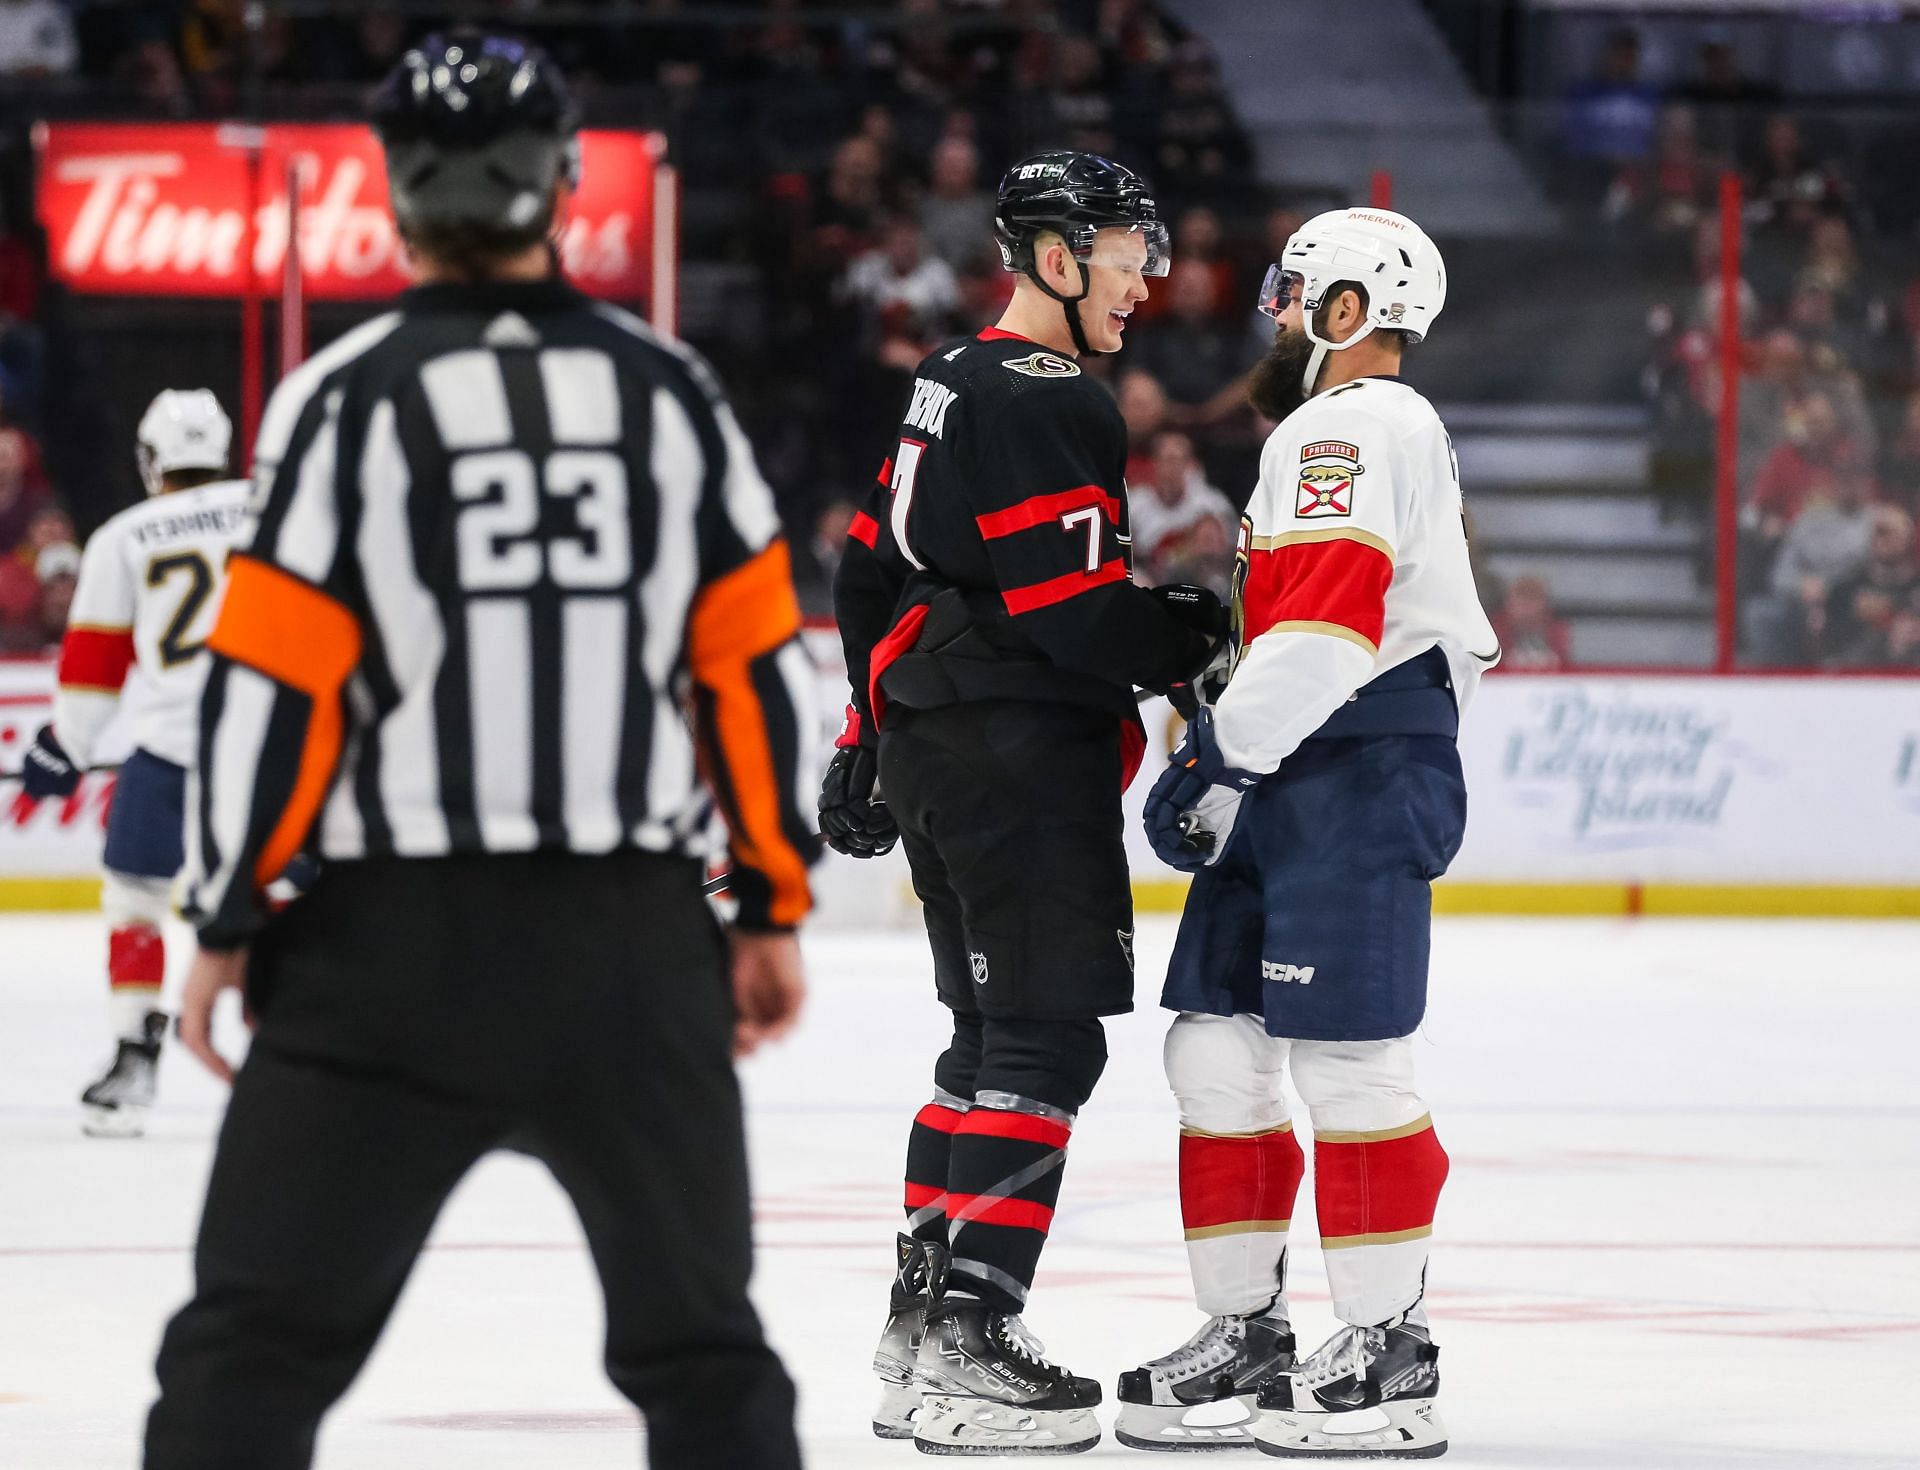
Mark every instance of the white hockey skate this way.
pixel 1367 1394
pixel 899 1346
pixel 116 1105
pixel 989 1389
pixel 1202 1396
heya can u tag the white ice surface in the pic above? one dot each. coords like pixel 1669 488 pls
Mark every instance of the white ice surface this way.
pixel 1683 1226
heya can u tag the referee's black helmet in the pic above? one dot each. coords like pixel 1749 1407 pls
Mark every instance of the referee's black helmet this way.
pixel 477 129
pixel 1075 196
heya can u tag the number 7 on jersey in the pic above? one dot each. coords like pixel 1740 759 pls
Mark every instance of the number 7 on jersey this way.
pixel 1088 516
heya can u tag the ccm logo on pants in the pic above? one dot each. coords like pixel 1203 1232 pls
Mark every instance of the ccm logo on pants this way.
pixel 1286 974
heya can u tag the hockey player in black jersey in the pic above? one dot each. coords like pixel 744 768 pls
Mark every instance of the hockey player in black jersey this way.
pixel 994 641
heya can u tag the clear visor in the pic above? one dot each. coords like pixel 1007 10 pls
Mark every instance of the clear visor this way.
pixel 1142 248
pixel 149 464
pixel 1280 290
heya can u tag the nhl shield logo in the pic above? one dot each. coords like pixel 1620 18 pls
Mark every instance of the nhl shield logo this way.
pixel 979 966
pixel 1327 472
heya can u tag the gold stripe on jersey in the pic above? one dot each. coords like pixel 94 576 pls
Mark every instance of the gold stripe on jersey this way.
pixel 1332 533
pixel 1331 630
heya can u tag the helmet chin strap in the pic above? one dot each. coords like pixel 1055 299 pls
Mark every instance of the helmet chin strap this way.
pixel 1321 347
pixel 1072 303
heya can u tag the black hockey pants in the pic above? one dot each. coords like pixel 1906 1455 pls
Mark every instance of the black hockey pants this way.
pixel 1010 813
pixel 413 1016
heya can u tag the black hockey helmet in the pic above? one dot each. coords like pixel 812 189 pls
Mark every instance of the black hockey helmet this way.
pixel 1074 195
pixel 477 128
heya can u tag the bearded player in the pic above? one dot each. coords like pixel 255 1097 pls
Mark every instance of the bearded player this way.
pixel 1314 802
pixel 149 586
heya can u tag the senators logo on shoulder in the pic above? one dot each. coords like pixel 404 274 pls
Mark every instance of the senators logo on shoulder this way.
pixel 1044 365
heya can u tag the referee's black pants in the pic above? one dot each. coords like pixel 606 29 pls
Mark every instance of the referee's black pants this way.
pixel 413 1016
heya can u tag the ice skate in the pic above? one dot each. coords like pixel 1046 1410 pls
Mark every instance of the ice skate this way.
pixel 1201 1396
pixel 989 1390
pixel 116 1105
pixel 1367 1394
pixel 893 1358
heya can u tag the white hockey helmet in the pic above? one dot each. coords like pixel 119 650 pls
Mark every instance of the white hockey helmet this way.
pixel 1387 253
pixel 182 429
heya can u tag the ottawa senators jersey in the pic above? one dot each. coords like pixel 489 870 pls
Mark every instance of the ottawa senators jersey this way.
pixel 1353 561
pixel 993 558
pixel 149 586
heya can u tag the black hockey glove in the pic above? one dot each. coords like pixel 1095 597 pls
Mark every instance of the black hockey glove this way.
pixel 1191 809
pixel 1185 700
pixel 852 819
pixel 1197 607
pixel 46 770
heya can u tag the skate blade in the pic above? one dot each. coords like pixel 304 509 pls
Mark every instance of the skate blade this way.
pixel 950 1424
pixel 898 1411
pixel 124 1121
pixel 1409 1429
pixel 1169 1427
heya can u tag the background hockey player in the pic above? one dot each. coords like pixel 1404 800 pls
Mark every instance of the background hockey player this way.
pixel 994 638
pixel 1315 802
pixel 149 586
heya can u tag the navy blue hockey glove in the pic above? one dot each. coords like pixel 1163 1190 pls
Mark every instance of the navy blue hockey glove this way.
pixel 1192 807
pixel 47 770
pixel 852 819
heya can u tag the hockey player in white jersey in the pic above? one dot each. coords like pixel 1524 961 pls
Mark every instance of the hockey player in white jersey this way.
pixel 149 586
pixel 1314 802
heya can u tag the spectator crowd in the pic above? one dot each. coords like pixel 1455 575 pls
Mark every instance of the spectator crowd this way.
pixel 840 164
pixel 840 160
pixel 38 556
pixel 1828 461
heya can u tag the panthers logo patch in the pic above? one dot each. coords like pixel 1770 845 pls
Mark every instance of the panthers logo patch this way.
pixel 1327 472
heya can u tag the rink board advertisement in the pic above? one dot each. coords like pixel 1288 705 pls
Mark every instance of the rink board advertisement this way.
pixel 48 839
pixel 160 209
pixel 1692 780
pixel 1577 788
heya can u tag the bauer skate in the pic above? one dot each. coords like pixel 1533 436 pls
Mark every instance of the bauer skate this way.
pixel 988 1388
pixel 116 1105
pixel 1201 1396
pixel 1391 1372
pixel 893 1358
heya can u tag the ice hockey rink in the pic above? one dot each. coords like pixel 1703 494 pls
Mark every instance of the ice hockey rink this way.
pixel 1683 1225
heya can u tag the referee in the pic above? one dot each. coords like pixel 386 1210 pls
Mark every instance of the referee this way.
pixel 515 587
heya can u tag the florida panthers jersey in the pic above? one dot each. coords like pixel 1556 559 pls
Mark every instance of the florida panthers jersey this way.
pixel 149 586
pixel 1353 560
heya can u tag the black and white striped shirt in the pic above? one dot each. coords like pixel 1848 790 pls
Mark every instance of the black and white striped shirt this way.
pixel 515 583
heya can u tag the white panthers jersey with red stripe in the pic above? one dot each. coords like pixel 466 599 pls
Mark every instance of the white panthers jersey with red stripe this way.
pixel 149 587
pixel 1353 560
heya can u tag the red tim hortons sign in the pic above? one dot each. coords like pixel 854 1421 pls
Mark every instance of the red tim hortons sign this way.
pixel 160 209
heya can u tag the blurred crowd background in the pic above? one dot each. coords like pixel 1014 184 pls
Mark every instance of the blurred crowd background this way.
pixel 839 161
